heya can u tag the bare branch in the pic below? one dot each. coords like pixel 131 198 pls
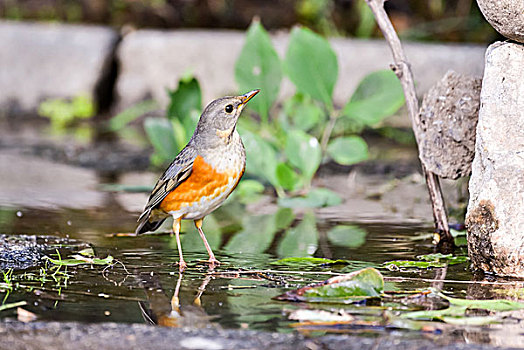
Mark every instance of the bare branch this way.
pixel 403 71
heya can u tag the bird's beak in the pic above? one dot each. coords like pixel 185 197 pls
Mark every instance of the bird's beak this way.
pixel 246 97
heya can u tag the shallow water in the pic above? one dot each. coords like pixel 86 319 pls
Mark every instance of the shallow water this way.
pixel 140 286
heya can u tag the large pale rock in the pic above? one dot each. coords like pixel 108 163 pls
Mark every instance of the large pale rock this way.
pixel 495 218
pixel 41 61
pixel 151 61
pixel 448 118
pixel 506 16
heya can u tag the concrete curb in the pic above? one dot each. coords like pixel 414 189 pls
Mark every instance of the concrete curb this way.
pixel 41 61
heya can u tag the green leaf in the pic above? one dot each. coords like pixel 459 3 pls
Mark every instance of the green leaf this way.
pixel 453 311
pixel 82 260
pixel 301 240
pixel 350 236
pixel 307 261
pixel 303 151
pixel 303 112
pixel 348 150
pixel 311 64
pixel 249 191
pixel 411 263
pixel 316 198
pixel 185 99
pixel 490 305
pixel 448 258
pixel 261 157
pixel 287 178
pixel 83 106
pixel 378 96
pixel 366 24
pixel 258 66
pixel 355 286
pixel 429 260
pixel 367 282
pixel 160 134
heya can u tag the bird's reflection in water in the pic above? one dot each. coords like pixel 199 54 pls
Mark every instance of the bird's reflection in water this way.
pixel 164 311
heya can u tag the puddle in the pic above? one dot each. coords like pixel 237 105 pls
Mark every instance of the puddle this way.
pixel 140 285
pixel 238 294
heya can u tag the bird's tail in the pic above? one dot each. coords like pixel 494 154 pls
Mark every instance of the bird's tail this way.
pixel 145 225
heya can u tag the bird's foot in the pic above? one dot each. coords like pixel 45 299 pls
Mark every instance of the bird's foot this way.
pixel 182 266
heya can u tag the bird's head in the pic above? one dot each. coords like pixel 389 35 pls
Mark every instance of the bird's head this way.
pixel 220 116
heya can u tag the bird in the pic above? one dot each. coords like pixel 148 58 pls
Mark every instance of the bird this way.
pixel 202 175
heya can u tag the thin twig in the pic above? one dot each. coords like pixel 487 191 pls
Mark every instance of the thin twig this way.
pixel 403 71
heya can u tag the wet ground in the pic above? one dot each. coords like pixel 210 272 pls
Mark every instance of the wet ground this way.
pixel 384 215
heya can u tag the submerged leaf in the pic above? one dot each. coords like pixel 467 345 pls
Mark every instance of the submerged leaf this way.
pixel 429 260
pixel 456 313
pixel 490 305
pixel 362 284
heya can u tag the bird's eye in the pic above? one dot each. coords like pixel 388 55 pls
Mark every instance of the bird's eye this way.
pixel 229 108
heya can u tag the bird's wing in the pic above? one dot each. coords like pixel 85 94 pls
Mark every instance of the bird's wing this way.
pixel 176 173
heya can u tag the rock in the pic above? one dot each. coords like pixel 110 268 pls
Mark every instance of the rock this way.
pixel 506 16
pixel 151 61
pixel 23 251
pixel 495 217
pixel 41 61
pixel 448 117
pixel 115 336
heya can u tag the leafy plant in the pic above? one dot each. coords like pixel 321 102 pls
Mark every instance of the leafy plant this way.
pixel 287 151
pixel 65 114
pixel 169 135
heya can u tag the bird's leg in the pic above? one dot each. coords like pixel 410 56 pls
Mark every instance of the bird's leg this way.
pixel 176 229
pixel 175 301
pixel 212 260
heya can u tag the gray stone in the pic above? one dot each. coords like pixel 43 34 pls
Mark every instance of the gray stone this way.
pixel 42 61
pixel 506 16
pixel 151 61
pixel 448 117
pixel 23 251
pixel 495 218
